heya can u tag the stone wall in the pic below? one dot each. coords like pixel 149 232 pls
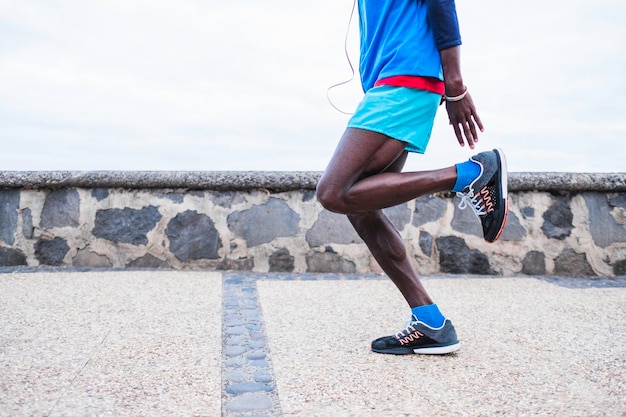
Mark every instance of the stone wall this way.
pixel 559 224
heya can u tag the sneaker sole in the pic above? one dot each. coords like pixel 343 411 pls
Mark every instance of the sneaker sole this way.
pixel 435 350
pixel 441 350
pixel 504 191
pixel 395 351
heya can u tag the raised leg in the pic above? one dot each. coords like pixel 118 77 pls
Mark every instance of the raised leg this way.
pixel 357 178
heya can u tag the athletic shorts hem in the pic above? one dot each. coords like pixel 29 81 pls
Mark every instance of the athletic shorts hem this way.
pixel 402 113
pixel 370 129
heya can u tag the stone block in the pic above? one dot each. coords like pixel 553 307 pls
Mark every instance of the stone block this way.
pixel 243 264
pixel 235 376
pixel 9 205
pixel 534 263
pixel 61 209
pixel 308 195
pixel 126 225
pixel 51 252
pixel 557 220
pixel 249 402
pixel 193 236
pixel 618 201
pixel 281 261
pixel 262 375
pixel 176 197
pixel 428 209
pixel 247 386
pixel 572 264
pixel 605 216
pixel 100 193
pixel 465 221
pixel 528 212
pixel 225 198
pixel 325 262
pixel 513 231
pixel 332 228
pixel 149 262
pixel 455 257
pixel 426 243
pixel 399 215
pixel 12 257
pixel 264 223
pixel 87 258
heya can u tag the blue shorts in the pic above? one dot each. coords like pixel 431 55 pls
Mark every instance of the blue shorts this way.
pixel 405 114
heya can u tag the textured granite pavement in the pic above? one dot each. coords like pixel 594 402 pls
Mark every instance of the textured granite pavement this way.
pixel 179 343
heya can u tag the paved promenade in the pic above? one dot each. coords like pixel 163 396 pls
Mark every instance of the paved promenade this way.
pixel 181 343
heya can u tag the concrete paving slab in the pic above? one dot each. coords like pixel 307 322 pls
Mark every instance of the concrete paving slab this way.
pixel 110 343
pixel 528 347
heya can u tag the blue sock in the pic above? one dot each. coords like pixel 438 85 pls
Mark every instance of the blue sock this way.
pixel 429 315
pixel 466 172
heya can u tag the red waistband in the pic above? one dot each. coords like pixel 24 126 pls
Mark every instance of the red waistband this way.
pixel 433 85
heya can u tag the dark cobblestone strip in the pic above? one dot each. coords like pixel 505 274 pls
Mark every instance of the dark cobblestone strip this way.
pixel 248 384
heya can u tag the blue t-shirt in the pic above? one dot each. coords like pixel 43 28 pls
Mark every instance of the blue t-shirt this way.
pixel 403 37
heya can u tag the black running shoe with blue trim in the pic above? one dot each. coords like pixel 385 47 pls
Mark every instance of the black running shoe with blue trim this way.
pixel 487 194
pixel 419 338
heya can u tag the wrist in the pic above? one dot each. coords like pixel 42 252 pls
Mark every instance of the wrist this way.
pixel 456 98
pixel 454 87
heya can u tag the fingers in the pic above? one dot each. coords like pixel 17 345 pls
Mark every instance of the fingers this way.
pixel 464 134
pixel 465 121
pixel 457 132
pixel 478 122
pixel 470 134
pixel 465 131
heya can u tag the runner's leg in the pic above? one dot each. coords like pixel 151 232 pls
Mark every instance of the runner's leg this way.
pixel 372 163
pixel 357 179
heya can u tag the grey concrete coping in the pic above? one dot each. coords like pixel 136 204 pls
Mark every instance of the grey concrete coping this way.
pixel 275 180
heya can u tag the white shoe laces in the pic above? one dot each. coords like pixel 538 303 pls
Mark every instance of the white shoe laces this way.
pixel 408 327
pixel 469 199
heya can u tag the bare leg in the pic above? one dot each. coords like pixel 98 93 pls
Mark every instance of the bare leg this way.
pixel 362 178
pixel 387 247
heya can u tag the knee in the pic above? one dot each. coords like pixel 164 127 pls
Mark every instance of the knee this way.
pixel 330 198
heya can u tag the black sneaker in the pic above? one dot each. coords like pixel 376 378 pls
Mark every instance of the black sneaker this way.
pixel 487 194
pixel 421 339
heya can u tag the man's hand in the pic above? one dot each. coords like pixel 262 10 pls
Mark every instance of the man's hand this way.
pixel 464 120
pixel 461 112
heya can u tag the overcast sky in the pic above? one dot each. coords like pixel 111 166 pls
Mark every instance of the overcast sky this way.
pixel 225 85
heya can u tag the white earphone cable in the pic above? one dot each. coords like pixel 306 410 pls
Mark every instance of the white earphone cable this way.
pixel 345 47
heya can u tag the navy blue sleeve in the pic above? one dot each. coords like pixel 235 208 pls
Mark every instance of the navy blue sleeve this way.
pixel 444 22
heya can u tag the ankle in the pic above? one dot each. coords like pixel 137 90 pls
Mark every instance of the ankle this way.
pixel 429 315
pixel 466 173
